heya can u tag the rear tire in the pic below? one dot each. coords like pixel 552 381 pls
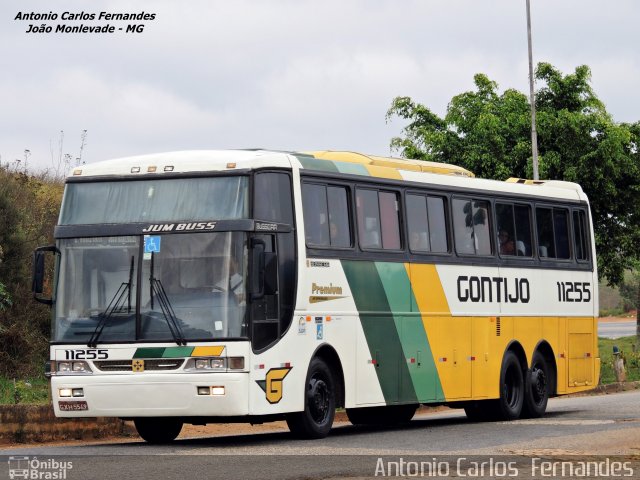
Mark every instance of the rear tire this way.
pixel 387 415
pixel 509 405
pixel 319 404
pixel 158 430
pixel 536 388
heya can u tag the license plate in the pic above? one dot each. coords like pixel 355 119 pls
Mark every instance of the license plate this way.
pixel 73 406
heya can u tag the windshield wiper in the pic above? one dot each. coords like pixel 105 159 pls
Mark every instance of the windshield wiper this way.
pixel 114 305
pixel 157 289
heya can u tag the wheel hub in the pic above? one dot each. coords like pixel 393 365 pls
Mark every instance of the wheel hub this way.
pixel 318 399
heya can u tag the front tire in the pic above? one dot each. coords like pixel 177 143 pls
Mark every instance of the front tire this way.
pixel 536 388
pixel 509 405
pixel 158 430
pixel 316 419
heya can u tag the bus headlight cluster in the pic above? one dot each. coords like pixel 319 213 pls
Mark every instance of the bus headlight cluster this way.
pixel 64 368
pixel 215 364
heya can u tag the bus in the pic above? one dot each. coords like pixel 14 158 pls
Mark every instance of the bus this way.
pixel 250 286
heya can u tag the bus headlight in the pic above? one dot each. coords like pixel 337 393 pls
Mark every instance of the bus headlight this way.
pixel 63 368
pixel 210 364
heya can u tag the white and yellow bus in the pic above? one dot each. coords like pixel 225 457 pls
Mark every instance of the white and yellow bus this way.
pixel 249 286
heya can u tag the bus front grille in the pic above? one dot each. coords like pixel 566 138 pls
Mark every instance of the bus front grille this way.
pixel 126 365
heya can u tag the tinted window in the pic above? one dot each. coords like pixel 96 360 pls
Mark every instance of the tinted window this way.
pixel 561 227
pixel 339 231
pixel 471 226
pixel 389 220
pixel 378 219
pixel 326 215
pixel 437 225
pixel 368 218
pixel 523 230
pixel 546 243
pixel 580 235
pixel 506 229
pixel 314 208
pixel 427 224
pixel 272 200
pixel 514 229
pixel 418 223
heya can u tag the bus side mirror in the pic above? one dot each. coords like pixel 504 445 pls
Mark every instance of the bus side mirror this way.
pixel 37 284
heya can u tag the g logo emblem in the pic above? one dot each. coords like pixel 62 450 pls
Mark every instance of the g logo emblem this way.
pixel 272 384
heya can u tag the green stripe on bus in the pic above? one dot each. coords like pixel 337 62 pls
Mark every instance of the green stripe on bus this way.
pixel 152 352
pixel 352 168
pixel 316 164
pixel 380 330
pixel 413 338
pixel 177 352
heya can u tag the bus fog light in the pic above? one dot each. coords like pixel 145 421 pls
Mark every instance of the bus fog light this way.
pixel 217 390
pixel 202 364
pixel 204 390
pixel 236 363
pixel 78 392
pixel 65 392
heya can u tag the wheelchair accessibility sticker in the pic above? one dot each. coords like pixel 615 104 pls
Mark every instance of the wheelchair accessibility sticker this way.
pixel 152 243
pixel 319 332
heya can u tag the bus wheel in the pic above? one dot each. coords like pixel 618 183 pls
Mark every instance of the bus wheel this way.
pixel 509 405
pixel 388 415
pixel 319 404
pixel 158 430
pixel 536 388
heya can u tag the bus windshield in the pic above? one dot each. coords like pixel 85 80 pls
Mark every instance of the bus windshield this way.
pixel 140 201
pixel 188 286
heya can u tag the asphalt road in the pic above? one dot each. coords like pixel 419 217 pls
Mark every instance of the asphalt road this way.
pixel 576 428
pixel 617 329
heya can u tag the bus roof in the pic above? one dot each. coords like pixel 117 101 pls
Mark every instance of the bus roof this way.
pixel 327 161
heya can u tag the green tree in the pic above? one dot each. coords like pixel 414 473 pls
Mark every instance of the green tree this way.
pixel 28 211
pixel 489 134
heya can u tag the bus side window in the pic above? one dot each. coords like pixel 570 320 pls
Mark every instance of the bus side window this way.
pixel 546 242
pixel 561 228
pixel 273 201
pixel 338 209
pixel 378 219
pixel 523 230
pixel 427 223
pixel 471 226
pixel 513 229
pixel 314 207
pixel 368 218
pixel 418 223
pixel 437 224
pixel 580 235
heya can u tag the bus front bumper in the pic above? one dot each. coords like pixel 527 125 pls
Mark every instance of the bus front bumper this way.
pixel 151 395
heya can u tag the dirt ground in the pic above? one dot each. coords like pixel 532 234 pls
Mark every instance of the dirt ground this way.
pixel 631 317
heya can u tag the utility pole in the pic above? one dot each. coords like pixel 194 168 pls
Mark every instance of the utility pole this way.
pixel 534 134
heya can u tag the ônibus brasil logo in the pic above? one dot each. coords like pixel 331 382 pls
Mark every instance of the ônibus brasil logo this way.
pixel 32 468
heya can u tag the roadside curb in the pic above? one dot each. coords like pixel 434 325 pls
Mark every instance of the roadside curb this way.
pixel 37 423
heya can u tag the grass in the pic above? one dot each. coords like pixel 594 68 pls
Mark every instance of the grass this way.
pixel 30 391
pixel 632 359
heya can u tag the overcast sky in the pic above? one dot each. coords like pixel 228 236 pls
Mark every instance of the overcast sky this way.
pixel 287 74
